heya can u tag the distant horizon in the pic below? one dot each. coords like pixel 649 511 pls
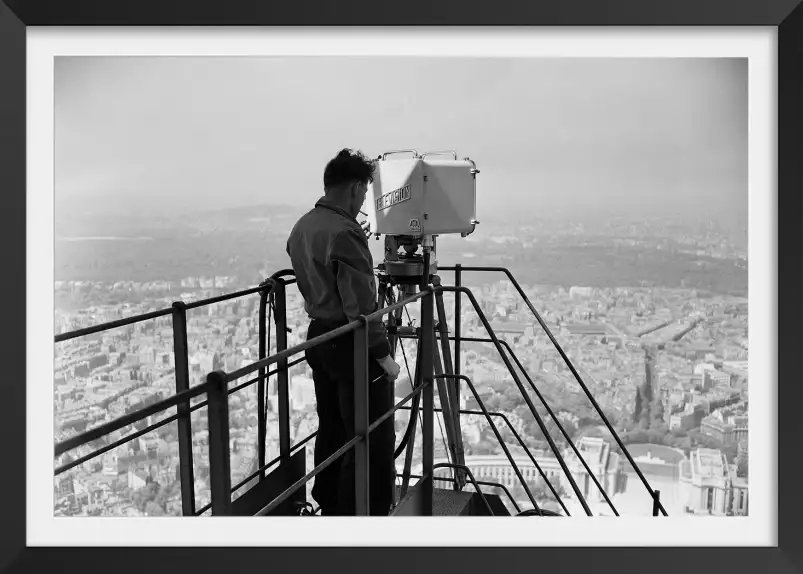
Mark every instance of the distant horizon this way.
pixel 104 204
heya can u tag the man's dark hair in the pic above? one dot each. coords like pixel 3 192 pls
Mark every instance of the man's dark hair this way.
pixel 348 166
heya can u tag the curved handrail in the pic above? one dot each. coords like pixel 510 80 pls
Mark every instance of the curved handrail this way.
pixel 185 396
pixel 412 151
pixel 428 291
pixel 565 358
pixel 499 438
pixel 523 446
pixel 551 414
pixel 442 152
pixel 524 394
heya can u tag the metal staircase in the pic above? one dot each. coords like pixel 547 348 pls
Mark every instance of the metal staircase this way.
pixel 277 487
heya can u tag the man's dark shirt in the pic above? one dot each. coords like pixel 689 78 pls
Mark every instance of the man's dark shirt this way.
pixel 334 269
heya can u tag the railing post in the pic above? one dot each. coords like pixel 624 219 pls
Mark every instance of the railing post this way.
pixel 261 391
pixel 219 462
pixel 428 402
pixel 184 423
pixel 458 282
pixel 361 417
pixel 447 388
pixel 282 384
pixel 656 502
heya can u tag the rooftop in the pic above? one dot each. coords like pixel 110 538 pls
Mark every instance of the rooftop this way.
pixel 588 329
pixel 509 327
pixel 709 462
pixel 655 453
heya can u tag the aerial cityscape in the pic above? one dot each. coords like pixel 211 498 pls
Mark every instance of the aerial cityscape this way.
pixel 613 189
pixel 666 363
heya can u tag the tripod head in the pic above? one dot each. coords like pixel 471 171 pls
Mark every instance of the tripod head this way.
pixel 416 199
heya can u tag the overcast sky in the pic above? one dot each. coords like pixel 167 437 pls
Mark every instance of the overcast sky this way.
pixel 157 133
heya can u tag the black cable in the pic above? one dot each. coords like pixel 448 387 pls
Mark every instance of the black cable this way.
pixel 408 431
pixel 420 420
pixel 267 379
pixel 406 437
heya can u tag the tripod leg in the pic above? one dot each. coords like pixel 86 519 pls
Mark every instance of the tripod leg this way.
pixel 452 385
pixel 443 329
pixel 446 408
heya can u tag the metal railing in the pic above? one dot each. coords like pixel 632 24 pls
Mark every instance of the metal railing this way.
pixel 272 300
pixel 221 487
pixel 527 451
pixel 178 311
pixel 458 270
pixel 216 389
pixel 498 436
pixel 555 419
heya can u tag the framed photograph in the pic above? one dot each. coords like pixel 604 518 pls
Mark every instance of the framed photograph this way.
pixel 246 228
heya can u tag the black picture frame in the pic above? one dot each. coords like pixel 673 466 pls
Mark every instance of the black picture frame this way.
pixel 15 15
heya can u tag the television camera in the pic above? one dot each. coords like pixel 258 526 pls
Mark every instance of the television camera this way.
pixel 413 200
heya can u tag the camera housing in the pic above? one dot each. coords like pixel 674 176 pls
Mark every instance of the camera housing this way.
pixel 426 194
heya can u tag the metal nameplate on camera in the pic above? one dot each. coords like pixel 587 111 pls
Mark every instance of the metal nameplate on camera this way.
pixel 393 197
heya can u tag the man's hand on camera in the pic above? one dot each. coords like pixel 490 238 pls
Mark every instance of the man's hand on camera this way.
pixel 390 367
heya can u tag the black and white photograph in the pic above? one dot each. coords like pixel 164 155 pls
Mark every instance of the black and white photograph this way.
pixel 297 286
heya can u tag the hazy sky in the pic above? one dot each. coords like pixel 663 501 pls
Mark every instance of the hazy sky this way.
pixel 210 132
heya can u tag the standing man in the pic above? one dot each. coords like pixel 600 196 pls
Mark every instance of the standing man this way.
pixel 334 270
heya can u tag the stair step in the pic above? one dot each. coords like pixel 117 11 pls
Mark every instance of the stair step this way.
pixel 450 502
pixel 447 502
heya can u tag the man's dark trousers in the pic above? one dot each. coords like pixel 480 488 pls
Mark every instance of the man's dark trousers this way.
pixel 332 366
